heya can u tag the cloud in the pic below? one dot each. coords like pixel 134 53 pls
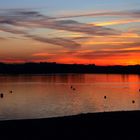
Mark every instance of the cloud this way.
pixel 134 44
pixel 132 13
pixel 33 19
pixel 21 21
pixel 57 41
pixel 67 43
pixel 74 26
pixel 19 14
pixel 117 22
pixel 8 25
pixel 42 54
pixel 26 20
pixel 11 30
pixel 70 44
pixel 104 53
pixel 135 30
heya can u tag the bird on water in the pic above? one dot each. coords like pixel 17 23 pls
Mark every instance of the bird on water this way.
pixel 10 91
pixel 105 97
pixel 1 95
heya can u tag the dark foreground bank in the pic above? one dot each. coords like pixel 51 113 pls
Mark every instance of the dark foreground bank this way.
pixel 114 125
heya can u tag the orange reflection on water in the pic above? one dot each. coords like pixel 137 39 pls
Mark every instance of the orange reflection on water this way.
pixel 38 96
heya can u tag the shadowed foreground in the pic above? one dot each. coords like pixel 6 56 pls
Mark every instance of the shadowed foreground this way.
pixel 114 125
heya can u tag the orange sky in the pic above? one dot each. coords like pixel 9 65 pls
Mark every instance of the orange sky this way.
pixel 101 38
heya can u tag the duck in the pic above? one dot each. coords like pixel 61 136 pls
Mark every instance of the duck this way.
pixel 1 95
pixel 105 97
pixel 10 91
pixel 133 101
pixel 74 89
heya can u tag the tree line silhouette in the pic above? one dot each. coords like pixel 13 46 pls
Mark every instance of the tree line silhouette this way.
pixel 44 68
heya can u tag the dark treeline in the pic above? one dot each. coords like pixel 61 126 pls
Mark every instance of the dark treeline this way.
pixel 44 68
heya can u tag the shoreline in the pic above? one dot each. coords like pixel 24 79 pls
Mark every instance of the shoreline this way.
pixel 94 115
pixel 92 125
pixel 51 68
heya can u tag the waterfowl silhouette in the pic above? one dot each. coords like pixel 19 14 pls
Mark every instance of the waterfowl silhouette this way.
pixel 10 91
pixel 74 89
pixel 105 97
pixel 1 95
pixel 133 101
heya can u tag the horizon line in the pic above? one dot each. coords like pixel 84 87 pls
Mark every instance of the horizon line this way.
pixel 18 63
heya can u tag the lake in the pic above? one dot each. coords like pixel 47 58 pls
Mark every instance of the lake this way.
pixel 43 96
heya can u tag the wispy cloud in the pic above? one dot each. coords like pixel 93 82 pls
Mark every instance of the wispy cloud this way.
pixel 42 54
pixel 21 21
pixel 57 41
pixel 116 22
pixel 104 54
pixel 35 19
pixel 101 41
pixel 74 26
pixel 11 30
pixel 132 13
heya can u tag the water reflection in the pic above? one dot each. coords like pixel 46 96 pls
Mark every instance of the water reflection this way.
pixel 51 78
pixel 39 96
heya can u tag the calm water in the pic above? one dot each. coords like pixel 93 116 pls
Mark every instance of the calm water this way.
pixel 44 96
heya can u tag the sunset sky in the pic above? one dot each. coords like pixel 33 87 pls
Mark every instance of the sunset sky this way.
pixel 101 32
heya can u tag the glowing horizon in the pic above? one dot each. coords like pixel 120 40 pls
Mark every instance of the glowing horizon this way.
pixel 81 32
